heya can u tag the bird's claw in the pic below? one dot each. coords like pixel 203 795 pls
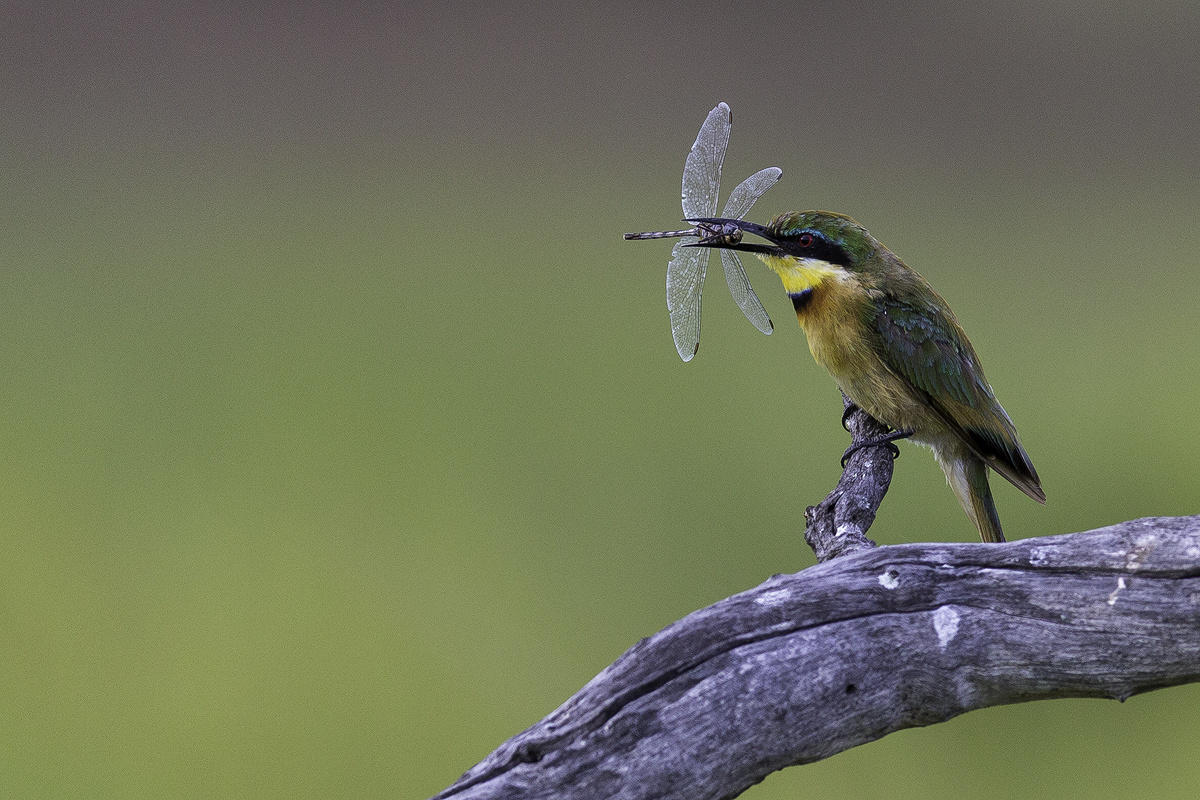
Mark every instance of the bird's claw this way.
pixel 850 409
pixel 889 440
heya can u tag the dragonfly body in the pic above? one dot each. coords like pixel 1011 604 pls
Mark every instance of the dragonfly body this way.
pixel 710 233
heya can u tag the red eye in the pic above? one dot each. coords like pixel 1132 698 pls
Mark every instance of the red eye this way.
pixel 805 240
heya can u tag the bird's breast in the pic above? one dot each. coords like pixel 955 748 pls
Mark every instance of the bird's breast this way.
pixel 830 305
pixel 833 320
pixel 835 310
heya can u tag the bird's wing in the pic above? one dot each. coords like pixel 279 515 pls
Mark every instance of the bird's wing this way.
pixel 922 342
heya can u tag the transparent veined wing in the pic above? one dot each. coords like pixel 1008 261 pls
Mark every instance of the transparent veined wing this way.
pixel 740 201
pixel 685 281
pixel 702 170
pixel 746 194
pixel 686 269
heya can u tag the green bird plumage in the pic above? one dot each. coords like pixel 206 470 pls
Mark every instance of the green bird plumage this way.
pixel 895 348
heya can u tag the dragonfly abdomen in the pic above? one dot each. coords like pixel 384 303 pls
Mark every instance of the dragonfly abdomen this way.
pixel 663 234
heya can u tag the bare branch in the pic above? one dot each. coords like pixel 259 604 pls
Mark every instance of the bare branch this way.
pixel 807 665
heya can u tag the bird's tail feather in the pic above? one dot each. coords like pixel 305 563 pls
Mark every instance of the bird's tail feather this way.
pixel 968 477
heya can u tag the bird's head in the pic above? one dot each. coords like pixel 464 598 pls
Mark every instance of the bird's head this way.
pixel 799 240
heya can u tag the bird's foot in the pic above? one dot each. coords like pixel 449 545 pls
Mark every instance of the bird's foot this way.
pixel 890 440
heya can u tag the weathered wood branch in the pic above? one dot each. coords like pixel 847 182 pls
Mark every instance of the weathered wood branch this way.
pixel 807 665
pixel 877 640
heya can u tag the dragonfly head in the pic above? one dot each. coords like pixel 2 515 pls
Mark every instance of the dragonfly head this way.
pixel 726 234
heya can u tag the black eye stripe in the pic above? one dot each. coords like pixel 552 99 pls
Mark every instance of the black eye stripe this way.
pixel 814 244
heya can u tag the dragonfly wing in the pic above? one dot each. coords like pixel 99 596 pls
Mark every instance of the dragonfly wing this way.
pixel 743 292
pixel 685 282
pixel 742 199
pixel 702 170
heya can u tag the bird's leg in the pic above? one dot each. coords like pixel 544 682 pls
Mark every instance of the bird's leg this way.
pixel 890 440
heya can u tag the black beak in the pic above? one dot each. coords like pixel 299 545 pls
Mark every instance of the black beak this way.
pixel 719 237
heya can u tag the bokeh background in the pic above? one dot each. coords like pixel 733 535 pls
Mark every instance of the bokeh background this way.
pixel 343 436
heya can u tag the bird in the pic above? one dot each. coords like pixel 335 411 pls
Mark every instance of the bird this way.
pixel 893 346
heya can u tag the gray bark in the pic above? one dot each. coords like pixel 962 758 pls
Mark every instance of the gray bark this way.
pixel 807 665
pixel 875 640
pixel 837 526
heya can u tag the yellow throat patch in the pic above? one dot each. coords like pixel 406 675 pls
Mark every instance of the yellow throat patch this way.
pixel 800 274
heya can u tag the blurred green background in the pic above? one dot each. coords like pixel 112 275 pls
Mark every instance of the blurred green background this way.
pixel 343 436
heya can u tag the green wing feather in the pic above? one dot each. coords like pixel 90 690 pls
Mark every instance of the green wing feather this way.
pixel 921 341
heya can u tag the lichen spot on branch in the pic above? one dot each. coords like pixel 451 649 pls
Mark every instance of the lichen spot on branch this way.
pixel 945 624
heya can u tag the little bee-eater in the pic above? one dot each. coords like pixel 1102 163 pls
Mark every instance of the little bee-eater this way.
pixel 894 347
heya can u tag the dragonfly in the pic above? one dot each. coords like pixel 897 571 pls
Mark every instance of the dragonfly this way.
pixel 688 264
